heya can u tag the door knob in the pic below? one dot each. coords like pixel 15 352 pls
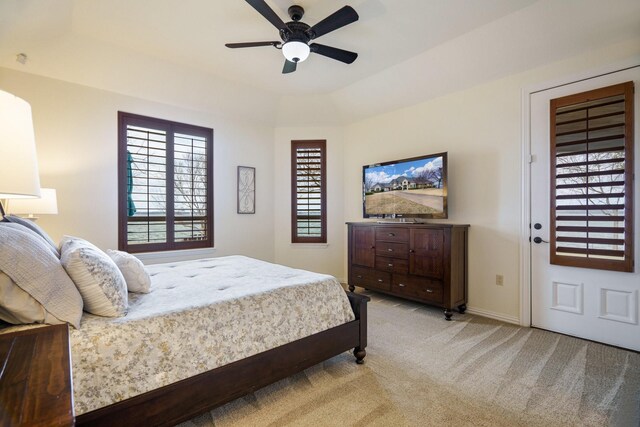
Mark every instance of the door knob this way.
pixel 539 240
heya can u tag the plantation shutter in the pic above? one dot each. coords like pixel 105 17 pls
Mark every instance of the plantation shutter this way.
pixel 308 192
pixel 592 179
pixel 165 185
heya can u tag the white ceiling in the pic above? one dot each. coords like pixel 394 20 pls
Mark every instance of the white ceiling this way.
pixel 409 50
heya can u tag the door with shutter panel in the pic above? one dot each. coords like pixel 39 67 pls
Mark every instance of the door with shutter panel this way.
pixel 584 279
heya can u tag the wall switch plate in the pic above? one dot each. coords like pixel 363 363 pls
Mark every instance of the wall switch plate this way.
pixel 499 279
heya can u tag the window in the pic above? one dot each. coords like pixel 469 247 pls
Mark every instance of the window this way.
pixel 308 192
pixel 165 185
pixel 592 179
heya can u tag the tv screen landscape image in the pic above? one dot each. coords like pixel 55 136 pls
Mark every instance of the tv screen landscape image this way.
pixel 415 187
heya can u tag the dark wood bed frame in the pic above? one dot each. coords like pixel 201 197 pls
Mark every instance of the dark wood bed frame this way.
pixel 183 400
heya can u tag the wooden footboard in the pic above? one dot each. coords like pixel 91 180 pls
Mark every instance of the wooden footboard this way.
pixel 185 399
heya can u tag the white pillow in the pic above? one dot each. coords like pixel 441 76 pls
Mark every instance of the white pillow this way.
pixel 29 262
pixel 18 307
pixel 136 276
pixel 96 276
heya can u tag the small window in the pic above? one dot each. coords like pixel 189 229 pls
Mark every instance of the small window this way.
pixel 308 192
pixel 165 185
pixel 592 179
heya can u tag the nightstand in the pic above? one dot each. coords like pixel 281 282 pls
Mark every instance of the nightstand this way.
pixel 35 379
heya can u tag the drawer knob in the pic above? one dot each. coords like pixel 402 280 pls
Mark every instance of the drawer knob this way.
pixel 402 285
pixel 390 265
pixel 359 277
pixel 380 280
pixel 429 291
pixel 392 234
pixel 412 251
pixel 390 250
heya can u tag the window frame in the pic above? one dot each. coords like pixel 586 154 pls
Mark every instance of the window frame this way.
pixel 627 263
pixel 171 128
pixel 322 145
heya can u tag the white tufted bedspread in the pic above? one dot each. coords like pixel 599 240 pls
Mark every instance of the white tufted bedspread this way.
pixel 198 316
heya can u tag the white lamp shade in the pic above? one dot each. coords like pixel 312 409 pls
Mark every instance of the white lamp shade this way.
pixel 295 51
pixel 19 163
pixel 46 204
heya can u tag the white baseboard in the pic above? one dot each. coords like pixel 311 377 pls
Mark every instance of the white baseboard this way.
pixel 493 315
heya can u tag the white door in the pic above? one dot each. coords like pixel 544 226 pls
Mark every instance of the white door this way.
pixel 590 303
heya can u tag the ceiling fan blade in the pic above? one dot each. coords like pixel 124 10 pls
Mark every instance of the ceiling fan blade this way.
pixel 251 44
pixel 289 66
pixel 339 19
pixel 334 53
pixel 264 10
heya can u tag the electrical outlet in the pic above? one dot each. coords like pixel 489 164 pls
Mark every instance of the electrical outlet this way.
pixel 499 279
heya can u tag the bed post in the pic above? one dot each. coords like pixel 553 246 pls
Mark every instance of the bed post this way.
pixel 359 305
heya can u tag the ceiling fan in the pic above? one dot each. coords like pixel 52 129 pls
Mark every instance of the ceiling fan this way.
pixel 296 35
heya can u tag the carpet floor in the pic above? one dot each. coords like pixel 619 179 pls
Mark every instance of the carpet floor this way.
pixel 423 371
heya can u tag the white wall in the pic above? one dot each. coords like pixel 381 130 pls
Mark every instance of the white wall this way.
pixel 479 127
pixel 321 258
pixel 481 130
pixel 76 139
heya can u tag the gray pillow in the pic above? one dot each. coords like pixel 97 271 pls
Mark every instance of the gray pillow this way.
pixel 35 228
pixel 28 261
pixel 30 231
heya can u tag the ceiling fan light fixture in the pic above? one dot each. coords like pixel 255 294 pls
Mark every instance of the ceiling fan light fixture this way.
pixel 295 51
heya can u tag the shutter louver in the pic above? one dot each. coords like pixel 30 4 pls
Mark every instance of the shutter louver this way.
pixel 591 171
pixel 308 192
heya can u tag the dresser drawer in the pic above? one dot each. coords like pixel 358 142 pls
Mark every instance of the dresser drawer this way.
pixel 418 287
pixel 392 265
pixel 392 250
pixel 392 234
pixel 370 278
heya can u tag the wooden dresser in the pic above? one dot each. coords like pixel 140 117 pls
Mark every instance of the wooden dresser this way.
pixel 421 262
pixel 35 379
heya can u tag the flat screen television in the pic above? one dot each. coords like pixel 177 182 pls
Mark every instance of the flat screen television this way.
pixel 408 188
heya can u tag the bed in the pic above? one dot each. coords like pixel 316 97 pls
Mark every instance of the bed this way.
pixel 250 323
pixel 210 331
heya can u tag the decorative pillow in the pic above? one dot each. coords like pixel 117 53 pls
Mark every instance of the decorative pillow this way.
pixel 35 228
pixel 28 261
pixel 97 277
pixel 14 225
pixel 18 307
pixel 136 276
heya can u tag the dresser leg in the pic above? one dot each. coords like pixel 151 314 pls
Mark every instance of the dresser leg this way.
pixel 448 313
pixel 462 308
pixel 352 288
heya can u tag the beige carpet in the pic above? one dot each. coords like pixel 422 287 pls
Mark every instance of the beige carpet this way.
pixel 421 371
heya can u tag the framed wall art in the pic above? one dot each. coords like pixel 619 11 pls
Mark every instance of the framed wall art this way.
pixel 246 190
